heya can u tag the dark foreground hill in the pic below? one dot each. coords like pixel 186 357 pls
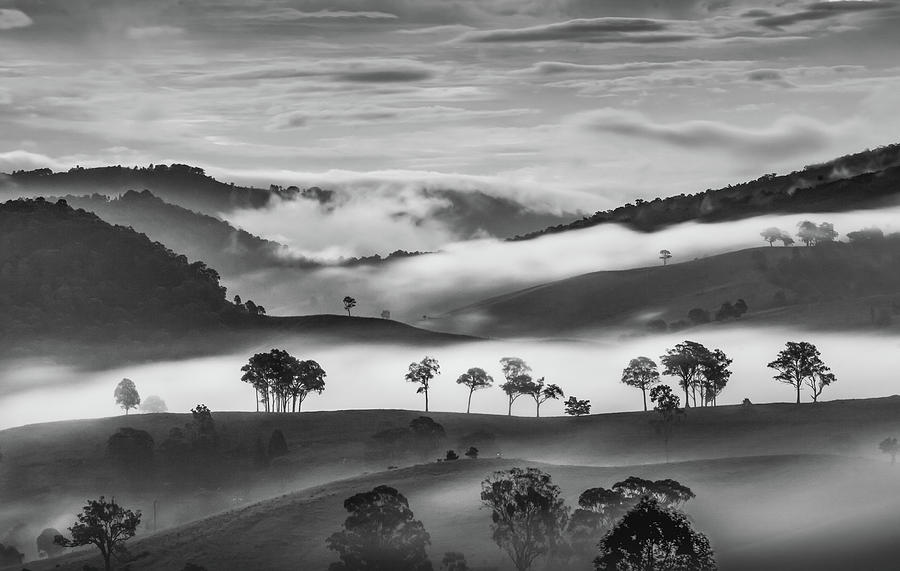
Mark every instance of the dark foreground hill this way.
pixel 870 179
pixel 778 486
pixel 833 285
pixel 70 280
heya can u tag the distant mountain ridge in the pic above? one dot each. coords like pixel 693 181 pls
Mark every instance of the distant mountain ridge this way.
pixel 869 179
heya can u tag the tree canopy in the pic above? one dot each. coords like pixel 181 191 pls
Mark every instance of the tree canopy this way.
pixel 422 374
pixel 126 395
pixel 104 524
pixel 282 382
pixel 380 534
pixel 799 364
pixel 474 379
pixel 641 373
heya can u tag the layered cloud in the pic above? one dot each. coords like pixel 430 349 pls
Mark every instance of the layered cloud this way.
pixel 11 19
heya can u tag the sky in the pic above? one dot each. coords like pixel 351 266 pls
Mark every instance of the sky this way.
pixel 597 102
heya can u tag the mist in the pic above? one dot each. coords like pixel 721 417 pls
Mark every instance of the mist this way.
pixel 586 369
pixel 464 272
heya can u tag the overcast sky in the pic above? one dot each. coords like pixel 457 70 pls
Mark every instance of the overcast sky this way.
pixel 604 99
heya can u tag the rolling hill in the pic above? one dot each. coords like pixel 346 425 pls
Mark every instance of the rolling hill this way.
pixel 870 179
pixel 834 285
pixel 69 281
pixel 773 482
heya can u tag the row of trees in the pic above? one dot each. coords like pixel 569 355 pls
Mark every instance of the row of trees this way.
pixel 813 234
pixel 519 382
pixel 637 523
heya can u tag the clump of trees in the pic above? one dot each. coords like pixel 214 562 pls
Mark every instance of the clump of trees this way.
pixel 380 533
pixel 699 370
pixel 126 395
pixel 104 524
pixel 814 235
pixel 518 379
pixel 666 406
pixel 799 364
pixel 772 235
pixel 890 447
pixel 282 382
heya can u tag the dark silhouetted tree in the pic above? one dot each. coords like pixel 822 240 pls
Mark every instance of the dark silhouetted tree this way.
pixel 542 392
pixel 725 311
pixel 866 235
pixel 349 303
pixel 472 453
pixel 518 379
pixel 669 493
pixel 46 543
pixel 665 255
pixel 698 370
pixel 422 373
pixel 652 538
pixel 153 404
pixel 527 513
pixel 801 363
pixel 277 444
pixel 641 373
pixel 426 434
pixel 127 395
pixel 575 407
pixel 890 446
pixel 740 308
pixel 475 379
pixel 131 450
pixel 451 455
pixel 106 526
pixel 380 534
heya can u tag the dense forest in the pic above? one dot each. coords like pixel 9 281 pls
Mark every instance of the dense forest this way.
pixel 869 179
pixel 65 272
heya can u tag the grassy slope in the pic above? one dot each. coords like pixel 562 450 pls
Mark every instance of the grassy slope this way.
pixel 629 298
pixel 745 498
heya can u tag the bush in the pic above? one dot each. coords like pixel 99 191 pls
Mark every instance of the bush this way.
pixel 451 455
pixel 277 444
pixel 472 453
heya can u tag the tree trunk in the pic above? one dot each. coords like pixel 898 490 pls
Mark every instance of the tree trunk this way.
pixel 798 393
pixel 469 404
pixel 538 409
pixel 644 390
pixel 426 400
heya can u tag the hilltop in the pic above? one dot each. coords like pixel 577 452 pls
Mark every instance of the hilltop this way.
pixel 833 285
pixel 869 179
pixel 758 460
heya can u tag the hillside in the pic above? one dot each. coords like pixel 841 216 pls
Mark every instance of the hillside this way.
pixel 69 281
pixel 834 285
pixel 870 179
pixel 773 466
pixel 465 213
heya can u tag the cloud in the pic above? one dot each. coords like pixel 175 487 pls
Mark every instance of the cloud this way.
pixel 153 32
pixel 590 30
pixel 770 76
pixel 377 113
pixel 26 160
pixel 291 14
pixel 559 68
pixel 11 19
pixel 358 70
pixel 819 11
pixel 787 136
pixel 385 75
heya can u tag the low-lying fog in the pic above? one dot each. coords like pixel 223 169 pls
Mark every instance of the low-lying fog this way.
pixel 372 376
pixel 466 272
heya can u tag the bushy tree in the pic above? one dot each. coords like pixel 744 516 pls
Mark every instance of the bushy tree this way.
pixel 891 447
pixel 698 370
pixel 598 509
pixel 518 379
pixel 349 303
pixel 641 373
pixel 474 379
pixel 575 407
pixel 669 493
pixel 106 526
pixel 426 434
pixel 698 316
pixel 772 235
pixel 422 373
pixel 451 455
pixel 132 450
pixel 126 395
pixel 154 404
pixel 542 392
pixel 801 363
pixel 527 513
pixel 866 235
pixel 472 453
pixel 812 235
pixel 380 534
pixel 665 255
pixel 653 538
